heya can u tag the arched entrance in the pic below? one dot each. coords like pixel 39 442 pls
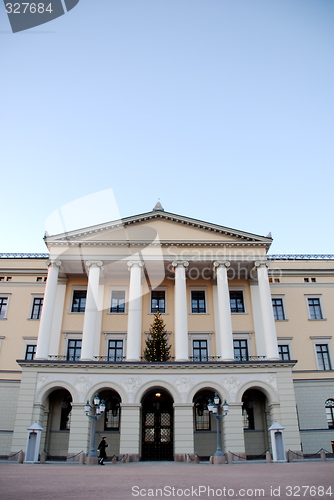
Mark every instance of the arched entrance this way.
pixel 254 413
pixel 205 441
pixel 157 426
pixel 59 404
pixel 109 424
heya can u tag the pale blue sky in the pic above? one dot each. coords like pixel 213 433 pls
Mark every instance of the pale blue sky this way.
pixel 223 109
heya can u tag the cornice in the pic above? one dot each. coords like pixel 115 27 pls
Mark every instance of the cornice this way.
pixel 169 243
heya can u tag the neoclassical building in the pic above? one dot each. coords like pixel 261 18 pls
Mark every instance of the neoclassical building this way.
pixel 255 329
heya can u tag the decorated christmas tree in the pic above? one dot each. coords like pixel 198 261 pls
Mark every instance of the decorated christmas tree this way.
pixel 157 348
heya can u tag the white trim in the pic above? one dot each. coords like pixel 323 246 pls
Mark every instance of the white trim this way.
pixel 114 336
pixel 200 336
pixel 245 336
pixel 322 340
pixel 315 296
pixel 118 288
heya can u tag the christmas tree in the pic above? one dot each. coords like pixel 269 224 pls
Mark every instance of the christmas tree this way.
pixel 157 348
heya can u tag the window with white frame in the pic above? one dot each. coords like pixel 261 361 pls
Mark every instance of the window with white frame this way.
pixel 200 350
pixel 117 301
pixel 237 301
pixel 323 359
pixel 198 302
pixel 314 308
pixel 36 310
pixel 3 306
pixel 329 407
pixel 278 308
pixel 74 349
pixel 158 301
pixel 115 350
pixel 240 347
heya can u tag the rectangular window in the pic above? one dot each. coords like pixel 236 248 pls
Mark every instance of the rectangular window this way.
pixel 3 307
pixel 74 350
pixel 200 350
pixel 240 350
pixel 323 357
pixel 36 308
pixel 79 301
pixel 117 301
pixel 314 308
pixel 115 350
pixel 237 301
pixel 30 352
pixel 278 309
pixel 198 301
pixel 284 352
pixel 329 406
pixel 158 301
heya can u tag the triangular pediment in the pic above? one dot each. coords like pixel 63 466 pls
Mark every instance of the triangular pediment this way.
pixel 165 226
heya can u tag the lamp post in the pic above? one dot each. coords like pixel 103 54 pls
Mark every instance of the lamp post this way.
pixel 213 408
pixel 99 411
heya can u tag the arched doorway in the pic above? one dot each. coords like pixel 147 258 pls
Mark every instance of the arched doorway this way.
pixel 204 425
pixel 58 423
pixel 109 424
pixel 157 426
pixel 254 413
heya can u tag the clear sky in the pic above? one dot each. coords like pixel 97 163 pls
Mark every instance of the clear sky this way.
pixel 223 109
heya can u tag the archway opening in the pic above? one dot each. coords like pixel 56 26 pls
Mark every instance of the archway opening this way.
pixel 255 423
pixel 157 425
pixel 58 424
pixel 204 425
pixel 110 423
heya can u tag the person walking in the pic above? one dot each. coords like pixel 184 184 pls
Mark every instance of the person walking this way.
pixel 102 449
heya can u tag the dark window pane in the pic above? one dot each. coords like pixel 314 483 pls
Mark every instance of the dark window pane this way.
pixel 158 301
pixel 237 302
pixel 198 302
pixel 118 301
pixel 79 301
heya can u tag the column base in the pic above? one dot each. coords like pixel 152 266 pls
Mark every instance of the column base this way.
pixel 92 460
pixel 217 459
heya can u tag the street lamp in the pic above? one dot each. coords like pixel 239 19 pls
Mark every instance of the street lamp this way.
pixel 213 408
pixel 99 411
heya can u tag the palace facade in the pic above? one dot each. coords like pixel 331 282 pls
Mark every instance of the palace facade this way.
pixel 254 328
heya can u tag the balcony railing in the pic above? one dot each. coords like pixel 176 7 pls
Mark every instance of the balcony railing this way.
pixel 191 359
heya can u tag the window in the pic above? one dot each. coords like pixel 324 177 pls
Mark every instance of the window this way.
pixel 36 308
pixel 313 280
pixel 201 412
pixel 278 309
pixel 314 308
pixel 115 350
pixel 237 301
pixel 329 406
pixel 306 280
pixel 284 352
pixel 74 350
pixel 158 301
pixel 198 301
pixel 30 352
pixel 323 357
pixel 117 301
pixel 3 307
pixel 200 350
pixel 240 350
pixel 112 413
pixel 39 278
pixel 79 301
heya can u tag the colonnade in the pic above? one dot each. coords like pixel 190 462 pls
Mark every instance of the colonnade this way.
pixel 224 334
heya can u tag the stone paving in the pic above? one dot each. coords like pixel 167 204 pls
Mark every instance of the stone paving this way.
pixel 311 480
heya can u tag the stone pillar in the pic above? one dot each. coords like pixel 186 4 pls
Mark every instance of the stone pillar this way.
pixel 268 321
pixel 91 310
pixel 257 318
pixel 134 312
pixel 44 334
pixel 183 428
pixel 233 431
pixel 224 312
pixel 57 317
pixel 180 312
pixel 79 439
pixel 130 430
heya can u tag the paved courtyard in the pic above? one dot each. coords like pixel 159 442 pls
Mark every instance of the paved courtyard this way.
pixel 312 480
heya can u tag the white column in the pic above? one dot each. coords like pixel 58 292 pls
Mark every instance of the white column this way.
pixel 268 321
pixel 134 312
pixel 224 312
pixel 45 326
pixel 180 311
pixel 91 310
pixel 57 317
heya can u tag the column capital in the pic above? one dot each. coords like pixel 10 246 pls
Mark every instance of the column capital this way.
pixel 180 263
pixel 94 263
pixel 218 263
pixel 261 263
pixel 137 263
pixel 53 263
